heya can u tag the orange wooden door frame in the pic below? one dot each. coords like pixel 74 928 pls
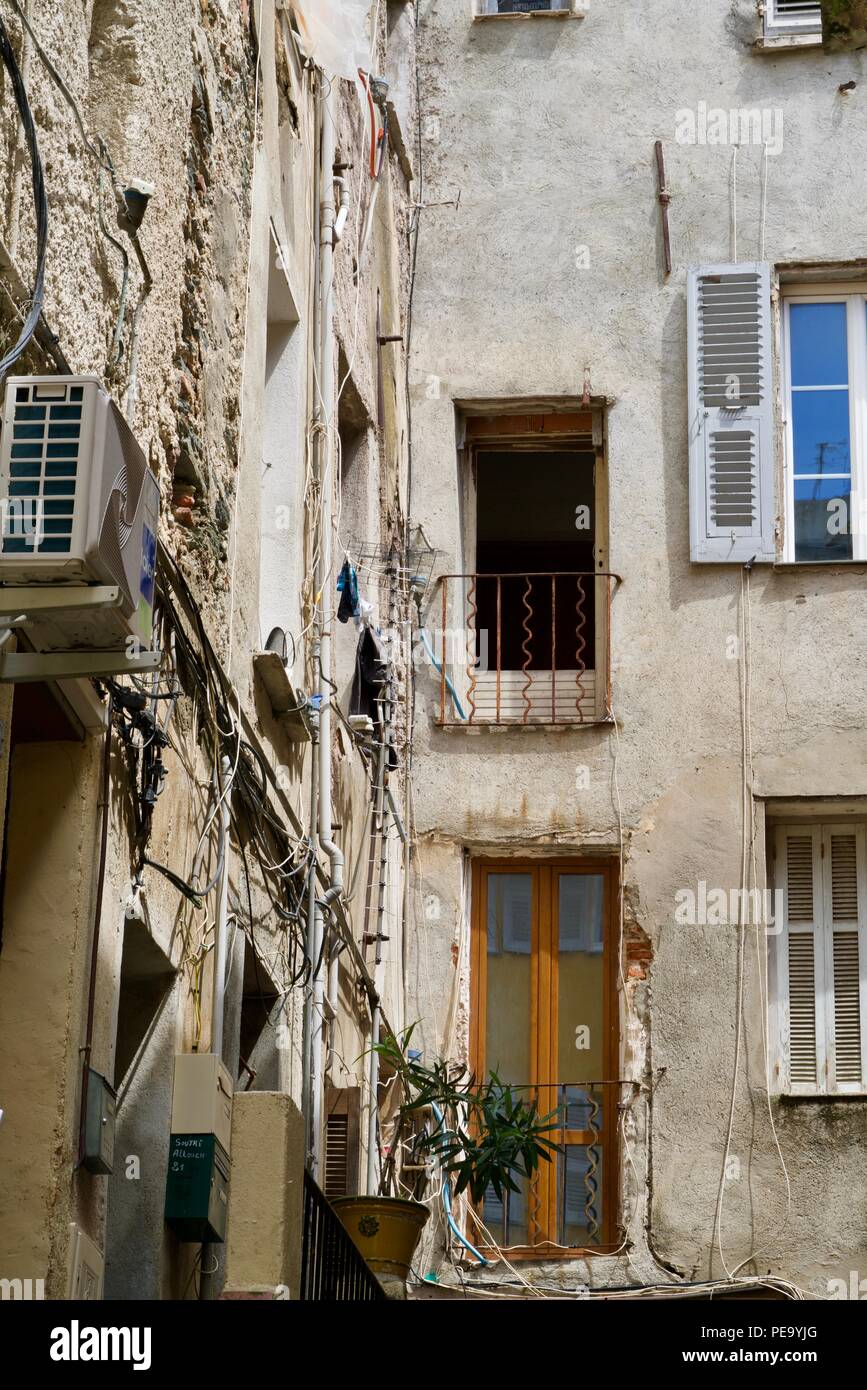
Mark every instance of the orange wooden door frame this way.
pixel 544 1060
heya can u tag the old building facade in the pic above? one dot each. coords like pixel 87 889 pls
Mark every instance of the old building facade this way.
pixel 502 366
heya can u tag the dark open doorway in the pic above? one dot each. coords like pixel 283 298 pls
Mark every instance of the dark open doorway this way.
pixel 535 536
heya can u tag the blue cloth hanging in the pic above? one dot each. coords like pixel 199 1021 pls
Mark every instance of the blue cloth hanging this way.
pixel 347 587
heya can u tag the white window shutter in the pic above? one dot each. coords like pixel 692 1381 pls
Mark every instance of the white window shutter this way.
pixel 731 445
pixel 800 866
pixel 844 866
pixel 793 14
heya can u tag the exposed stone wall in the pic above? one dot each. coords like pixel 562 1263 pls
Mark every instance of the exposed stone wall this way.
pixel 213 104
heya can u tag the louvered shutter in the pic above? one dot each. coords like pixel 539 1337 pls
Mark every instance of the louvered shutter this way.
pixel 794 14
pixel 844 875
pixel 800 867
pixel 822 977
pixel 731 453
pixel 340 1176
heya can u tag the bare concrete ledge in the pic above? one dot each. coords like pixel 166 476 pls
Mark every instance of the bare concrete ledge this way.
pixel 533 14
pixel 786 43
pixel 848 1096
pixel 832 566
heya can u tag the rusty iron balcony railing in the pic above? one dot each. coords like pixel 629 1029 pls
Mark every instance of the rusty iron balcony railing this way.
pixel 524 649
pixel 570 1214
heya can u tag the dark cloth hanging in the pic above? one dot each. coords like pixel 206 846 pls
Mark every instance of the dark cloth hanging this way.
pixel 347 587
pixel 368 683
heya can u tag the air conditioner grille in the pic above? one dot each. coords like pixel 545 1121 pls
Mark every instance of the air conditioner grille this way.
pixel 43 471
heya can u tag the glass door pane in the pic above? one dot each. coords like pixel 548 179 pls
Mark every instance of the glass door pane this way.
pixel 580 978
pixel 507 1015
pixel 510 946
pixel 581 1055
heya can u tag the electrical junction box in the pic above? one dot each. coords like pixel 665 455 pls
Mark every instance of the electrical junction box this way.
pixel 202 1097
pixel 197 1182
pixel 197 1188
pixel 86 1267
pixel 78 506
pixel 99 1121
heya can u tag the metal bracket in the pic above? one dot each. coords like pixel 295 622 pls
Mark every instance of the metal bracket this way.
pixel 22 604
pixel 52 666
pixel 17 602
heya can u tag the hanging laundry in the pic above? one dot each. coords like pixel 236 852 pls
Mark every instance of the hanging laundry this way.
pixel 369 682
pixel 347 587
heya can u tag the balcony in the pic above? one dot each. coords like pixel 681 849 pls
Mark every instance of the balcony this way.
pixel 569 1204
pixel 525 650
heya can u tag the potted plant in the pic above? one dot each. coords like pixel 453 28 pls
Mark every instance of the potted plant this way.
pixel 484 1134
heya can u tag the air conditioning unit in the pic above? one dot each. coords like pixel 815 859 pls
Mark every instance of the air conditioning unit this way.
pixel 78 507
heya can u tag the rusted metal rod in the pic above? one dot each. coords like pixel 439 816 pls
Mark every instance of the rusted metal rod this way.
pixel 664 198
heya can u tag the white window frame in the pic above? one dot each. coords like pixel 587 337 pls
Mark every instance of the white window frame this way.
pixel 776 23
pixel 823 962
pixel 487 9
pixel 855 299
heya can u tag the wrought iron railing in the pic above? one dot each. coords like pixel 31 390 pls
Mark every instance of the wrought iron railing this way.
pixel 332 1269
pixel 565 1204
pixel 524 649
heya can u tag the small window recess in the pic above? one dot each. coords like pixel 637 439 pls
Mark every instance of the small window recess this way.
pixel 529 9
pixel 789 24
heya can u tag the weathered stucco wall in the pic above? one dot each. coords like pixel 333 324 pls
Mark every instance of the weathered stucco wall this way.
pixel 552 262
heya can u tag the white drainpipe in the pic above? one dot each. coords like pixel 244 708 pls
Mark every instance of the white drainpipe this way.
pixel 325 588
pixel 218 1004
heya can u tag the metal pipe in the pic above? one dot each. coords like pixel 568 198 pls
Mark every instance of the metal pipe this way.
pixel 401 828
pixel 307 1050
pixel 325 480
pixel 373 1112
pixel 384 804
pixel 87 1049
pixel 218 996
pixel 664 199
pixel 147 285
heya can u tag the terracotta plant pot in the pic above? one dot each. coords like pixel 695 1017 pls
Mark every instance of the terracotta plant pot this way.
pixel 385 1229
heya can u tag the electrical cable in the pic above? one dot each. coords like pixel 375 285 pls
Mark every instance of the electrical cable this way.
pixel 100 152
pixel 40 201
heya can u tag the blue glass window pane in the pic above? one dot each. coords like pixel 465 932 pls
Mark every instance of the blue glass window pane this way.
pixel 819 353
pixel 820 425
pixel 64 430
pixel 25 470
pixel 823 519
pixel 30 412
pixel 66 412
pixel 28 431
pixel 59 451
